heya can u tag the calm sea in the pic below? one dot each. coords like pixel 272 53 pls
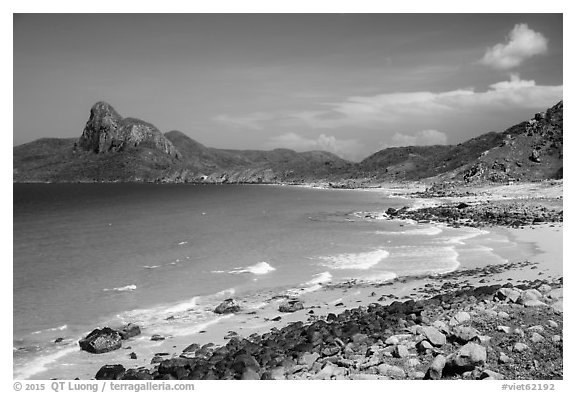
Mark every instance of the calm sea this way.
pixel 89 254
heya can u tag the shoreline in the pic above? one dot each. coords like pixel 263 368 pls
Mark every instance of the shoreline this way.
pixel 328 299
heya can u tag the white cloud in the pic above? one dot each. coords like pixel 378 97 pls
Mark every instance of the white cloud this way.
pixel 420 138
pixel 346 148
pixel 521 44
pixel 394 108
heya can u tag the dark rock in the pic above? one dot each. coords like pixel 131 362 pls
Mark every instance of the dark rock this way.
pixel 129 330
pixel 59 340
pixel 291 305
pixel 157 337
pixel 227 306
pixel 133 355
pixel 462 205
pixel 110 372
pixel 101 341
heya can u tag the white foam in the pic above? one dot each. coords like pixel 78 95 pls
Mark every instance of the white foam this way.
pixel 39 364
pixel 150 267
pixel 126 288
pixel 470 234
pixel 312 285
pixel 360 261
pixel 428 231
pixel 182 243
pixel 427 259
pixel 320 278
pixel 259 269
pixel 55 329
pixel 380 277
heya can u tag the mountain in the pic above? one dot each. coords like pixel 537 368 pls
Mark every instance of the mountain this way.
pixel 113 148
pixel 531 150
pixel 116 149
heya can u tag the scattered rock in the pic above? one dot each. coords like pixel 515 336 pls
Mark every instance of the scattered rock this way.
pixel 434 336
pixel 291 306
pixel 459 318
pixel 391 371
pixel 491 375
pixel 552 324
pixel 129 330
pixel 503 358
pixel 400 352
pixel 110 372
pixel 436 367
pixel 467 358
pixel 228 306
pixel 463 334
pixel 536 338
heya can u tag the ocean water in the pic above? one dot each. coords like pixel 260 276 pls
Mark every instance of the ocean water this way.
pixel 88 255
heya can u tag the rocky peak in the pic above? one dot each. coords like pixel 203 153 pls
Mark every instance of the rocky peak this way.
pixel 107 131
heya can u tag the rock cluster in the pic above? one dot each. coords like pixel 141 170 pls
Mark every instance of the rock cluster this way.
pixel 485 214
pixel 450 335
pixel 108 339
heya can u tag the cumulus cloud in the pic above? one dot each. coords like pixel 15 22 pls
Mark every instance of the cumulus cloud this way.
pixel 392 108
pixel 521 43
pixel 346 148
pixel 420 138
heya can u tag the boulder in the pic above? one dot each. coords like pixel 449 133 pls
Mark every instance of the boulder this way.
pixel 509 294
pixel 533 303
pixel 434 336
pixel 101 341
pixel 520 347
pixel 467 358
pixel 436 367
pixel 291 305
pixel 391 371
pixel 110 372
pixel 503 358
pixel 536 338
pixel 459 318
pixel 528 295
pixel 544 288
pixel 400 352
pixel 308 359
pixel 228 306
pixel 463 334
pixel 129 330
pixel 552 324
pixel 157 337
pixel 491 375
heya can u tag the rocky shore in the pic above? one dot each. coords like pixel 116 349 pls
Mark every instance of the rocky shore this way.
pixel 503 213
pixel 455 331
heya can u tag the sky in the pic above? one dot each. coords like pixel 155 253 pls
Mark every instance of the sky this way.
pixel 351 84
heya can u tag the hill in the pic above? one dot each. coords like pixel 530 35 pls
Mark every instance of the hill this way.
pixel 116 149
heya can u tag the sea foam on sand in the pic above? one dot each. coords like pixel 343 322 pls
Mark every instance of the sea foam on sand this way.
pixel 360 261
pixel 258 269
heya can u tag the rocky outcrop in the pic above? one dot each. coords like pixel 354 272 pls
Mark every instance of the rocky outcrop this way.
pixel 101 341
pixel 106 131
pixel 227 306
